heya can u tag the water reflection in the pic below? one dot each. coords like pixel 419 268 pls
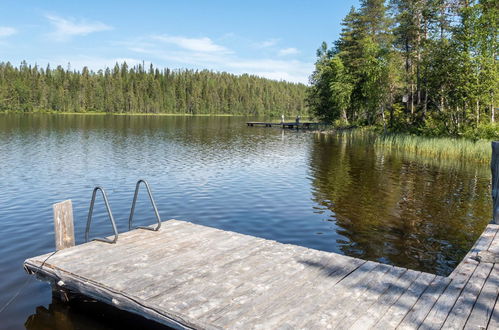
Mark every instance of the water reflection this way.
pixel 85 314
pixel 335 193
pixel 398 210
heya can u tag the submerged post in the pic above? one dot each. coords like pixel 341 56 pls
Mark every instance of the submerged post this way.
pixel 494 166
pixel 63 225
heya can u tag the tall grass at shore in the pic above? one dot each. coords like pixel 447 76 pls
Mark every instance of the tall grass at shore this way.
pixel 437 147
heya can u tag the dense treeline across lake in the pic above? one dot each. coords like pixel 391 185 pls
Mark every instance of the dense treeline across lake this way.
pixel 423 66
pixel 137 90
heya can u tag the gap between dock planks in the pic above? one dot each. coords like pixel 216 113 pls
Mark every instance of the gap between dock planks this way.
pixel 192 276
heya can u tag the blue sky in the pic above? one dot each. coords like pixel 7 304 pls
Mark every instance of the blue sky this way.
pixel 273 39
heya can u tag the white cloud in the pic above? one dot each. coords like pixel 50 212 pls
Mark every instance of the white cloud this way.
pixel 289 70
pixel 7 31
pixel 194 44
pixel 164 51
pixel 267 43
pixel 293 70
pixel 66 28
pixel 288 51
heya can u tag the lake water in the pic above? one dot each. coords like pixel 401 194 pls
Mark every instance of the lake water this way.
pixel 334 193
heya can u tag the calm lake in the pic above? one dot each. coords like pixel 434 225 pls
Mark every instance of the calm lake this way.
pixel 335 193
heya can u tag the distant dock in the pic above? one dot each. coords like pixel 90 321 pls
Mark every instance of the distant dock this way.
pixel 290 125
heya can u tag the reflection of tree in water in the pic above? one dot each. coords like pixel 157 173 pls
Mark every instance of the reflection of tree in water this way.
pixel 397 211
pixel 84 314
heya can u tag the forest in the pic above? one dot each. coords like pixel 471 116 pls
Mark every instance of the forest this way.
pixel 420 66
pixel 125 89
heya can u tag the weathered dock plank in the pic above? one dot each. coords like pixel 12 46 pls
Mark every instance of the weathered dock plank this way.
pixel 464 304
pixel 374 289
pixel 372 315
pixel 192 276
pixel 482 244
pixel 422 307
pixel 335 268
pixel 396 313
pixel 484 305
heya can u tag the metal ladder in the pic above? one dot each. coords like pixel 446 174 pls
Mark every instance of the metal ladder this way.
pixel 158 219
pixel 110 213
pixel 111 218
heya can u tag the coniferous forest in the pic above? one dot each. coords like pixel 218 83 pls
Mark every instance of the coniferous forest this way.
pixel 421 66
pixel 137 90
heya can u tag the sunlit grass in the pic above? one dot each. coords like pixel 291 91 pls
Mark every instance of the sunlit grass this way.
pixel 437 147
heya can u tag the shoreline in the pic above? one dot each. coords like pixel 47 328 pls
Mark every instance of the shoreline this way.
pixel 442 147
pixel 120 114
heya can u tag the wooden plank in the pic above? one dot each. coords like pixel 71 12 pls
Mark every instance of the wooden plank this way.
pixel 269 308
pixel 482 244
pixel 375 289
pixel 201 299
pixel 494 167
pixel 63 225
pixel 396 313
pixel 253 290
pixel 129 248
pixel 151 269
pixel 494 245
pixel 369 317
pixel 267 285
pixel 494 319
pixel 257 272
pixel 122 301
pixel 462 308
pixel 279 293
pixel 484 306
pixel 487 256
pixel 142 254
pixel 93 249
pixel 102 255
pixel 320 290
pixel 492 253
pixel 176 274
pixel 420 310
pixel 437 315
pixel 330 312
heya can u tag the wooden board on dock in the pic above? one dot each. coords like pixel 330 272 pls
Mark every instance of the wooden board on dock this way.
pixel 192 276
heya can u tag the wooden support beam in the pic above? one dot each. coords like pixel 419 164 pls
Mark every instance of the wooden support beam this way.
pixel 495 181
pixel 63 225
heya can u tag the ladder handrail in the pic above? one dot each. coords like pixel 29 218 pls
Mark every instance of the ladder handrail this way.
pixel 111 218
pixel 137 186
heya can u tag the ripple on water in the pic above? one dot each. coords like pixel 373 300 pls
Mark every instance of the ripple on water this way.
pixel 329 193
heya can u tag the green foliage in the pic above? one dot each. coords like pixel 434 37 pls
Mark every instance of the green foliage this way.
pixel 137 90
pixel 329 94
pixel 437 147
pixel 420 66
pixel 483 131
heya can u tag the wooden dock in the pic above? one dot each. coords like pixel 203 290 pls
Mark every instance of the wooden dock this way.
pixel 192 276
pixel 291 125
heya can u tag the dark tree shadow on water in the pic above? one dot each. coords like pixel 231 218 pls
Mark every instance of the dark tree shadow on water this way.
pixel 83 313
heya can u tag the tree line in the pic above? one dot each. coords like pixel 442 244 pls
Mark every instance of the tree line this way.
pixel 135 89
pixel 424 66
